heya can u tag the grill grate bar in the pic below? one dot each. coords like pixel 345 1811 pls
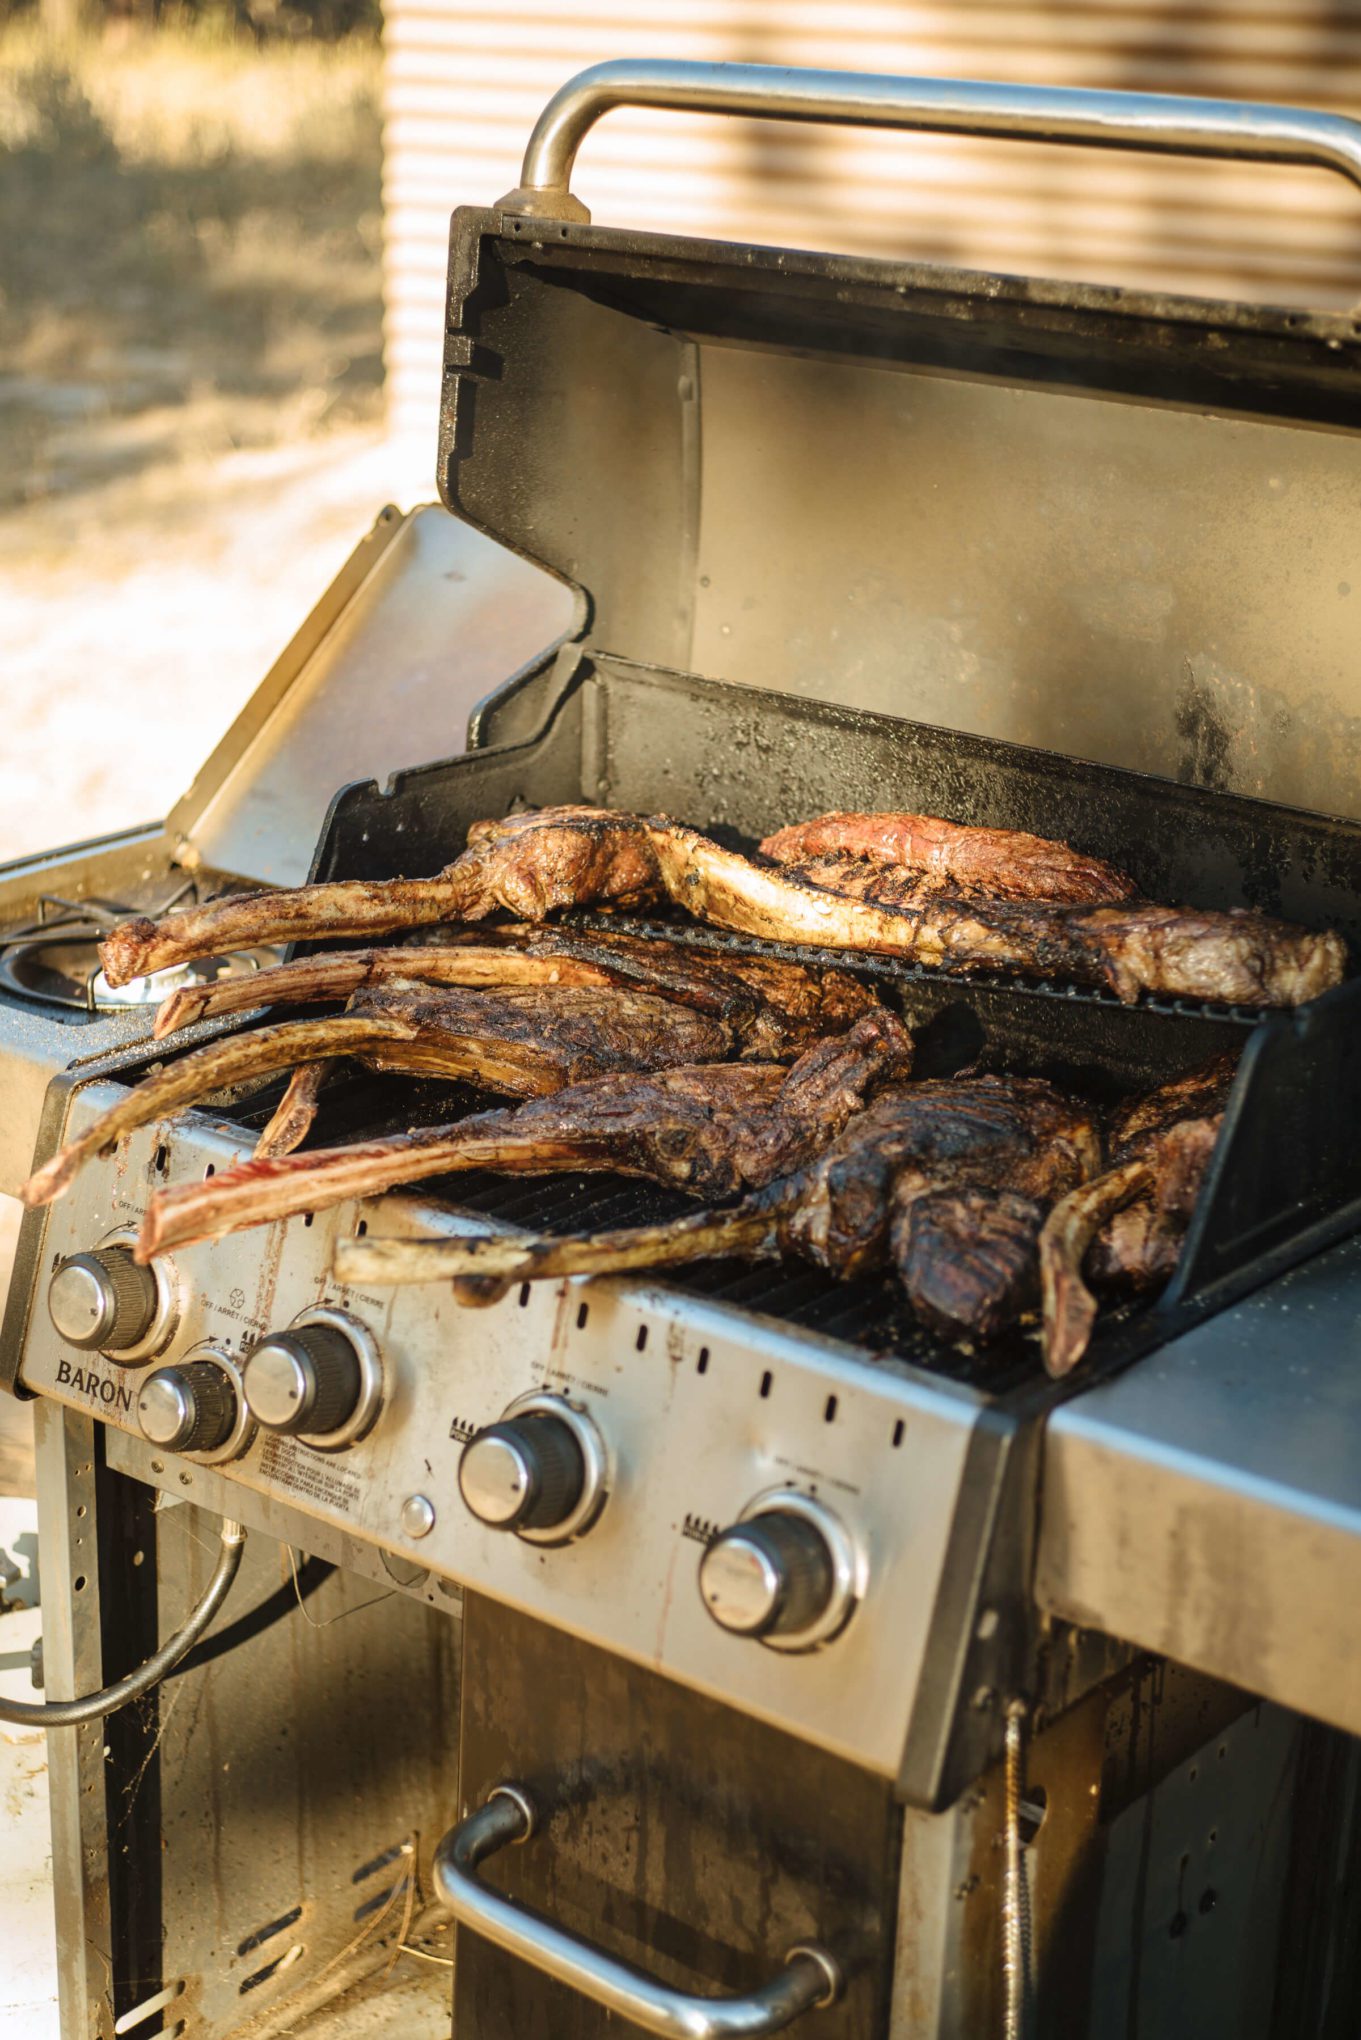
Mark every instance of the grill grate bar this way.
pixel 893 970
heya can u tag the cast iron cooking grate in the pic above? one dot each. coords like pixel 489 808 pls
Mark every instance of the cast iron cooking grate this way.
pixel 894 970
pixel 868 1313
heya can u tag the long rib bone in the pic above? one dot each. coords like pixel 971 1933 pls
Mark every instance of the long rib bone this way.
pixel 336 974
pixel 214 1068
pixel 513 1041
pixel 699 1238
pixel 293 1115
pixel 528 864
pixel 1069 1306
pixel 520 957
pixel 715 1131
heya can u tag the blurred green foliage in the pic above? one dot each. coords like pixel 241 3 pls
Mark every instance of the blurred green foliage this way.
pixel 260 20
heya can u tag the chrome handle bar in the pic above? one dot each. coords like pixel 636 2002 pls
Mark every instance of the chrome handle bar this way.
pixel 1160 123
pixel 811 1976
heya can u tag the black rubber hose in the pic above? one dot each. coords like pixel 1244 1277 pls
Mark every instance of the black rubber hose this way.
pixel 94 1706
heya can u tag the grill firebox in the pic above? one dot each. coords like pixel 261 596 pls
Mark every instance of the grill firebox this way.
pixel 1286 1178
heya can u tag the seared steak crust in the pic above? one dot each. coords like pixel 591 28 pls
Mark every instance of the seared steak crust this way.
pixel 969 1259
pixel 1017 1133
pixel 1006 863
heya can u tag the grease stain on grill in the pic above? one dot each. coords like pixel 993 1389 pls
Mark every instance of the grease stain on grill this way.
pixel 1207 741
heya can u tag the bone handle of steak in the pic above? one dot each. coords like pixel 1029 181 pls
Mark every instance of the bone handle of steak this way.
pixel 310 980
pixel 1069 1306
pixel 730 891
pixel 302 913
pixel 210 1069
pixel 293 1115
pixel 263 1190
pixel 1239 959
pixel 741 1231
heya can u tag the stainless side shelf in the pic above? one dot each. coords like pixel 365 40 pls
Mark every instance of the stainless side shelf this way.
pixel 1207 1504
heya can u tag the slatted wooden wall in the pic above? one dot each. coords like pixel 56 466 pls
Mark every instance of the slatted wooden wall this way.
pixel 464 82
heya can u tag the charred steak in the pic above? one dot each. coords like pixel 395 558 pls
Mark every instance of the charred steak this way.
pixel 1005 863
pixel 715 1130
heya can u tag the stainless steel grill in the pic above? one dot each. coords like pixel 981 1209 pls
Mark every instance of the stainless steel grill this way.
pixel 844 534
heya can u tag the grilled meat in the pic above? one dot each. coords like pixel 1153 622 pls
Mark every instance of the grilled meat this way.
pixel 531 956
pixel 1159 1146
pixel 770 1008
pixel 528 864
pixel 848 903
pixel 522 1041
pixel 849 1210
pixel 969 1259
pixel 517 1042
pixel 715 1131
pixel 535 863
pixel 989 1133
pixel 1006 863
pixel 1136 1249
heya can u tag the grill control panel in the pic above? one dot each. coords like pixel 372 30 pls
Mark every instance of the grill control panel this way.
pixel 754 1511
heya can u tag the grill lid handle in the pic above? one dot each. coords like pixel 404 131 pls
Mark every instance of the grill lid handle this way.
pixel 811 1976
pixel 1158 123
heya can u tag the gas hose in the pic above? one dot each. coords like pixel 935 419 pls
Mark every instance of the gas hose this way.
pixel 94 1706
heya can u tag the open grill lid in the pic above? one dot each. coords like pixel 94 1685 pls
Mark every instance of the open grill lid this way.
pixel 1110 524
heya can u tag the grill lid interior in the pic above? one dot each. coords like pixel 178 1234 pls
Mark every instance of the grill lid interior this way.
pixel 1111 525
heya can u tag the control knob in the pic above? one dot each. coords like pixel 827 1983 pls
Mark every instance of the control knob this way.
pixel 307 1380
pixel 189 1408
pixel 539 1472
pixel 103 1301
pixel 783 1574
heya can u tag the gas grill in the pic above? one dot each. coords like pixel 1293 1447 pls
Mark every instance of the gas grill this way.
pixel 842 534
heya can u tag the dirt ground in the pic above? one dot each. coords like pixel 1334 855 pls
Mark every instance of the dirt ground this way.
pixel 191 431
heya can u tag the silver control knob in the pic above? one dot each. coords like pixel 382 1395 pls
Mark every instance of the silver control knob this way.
pixel 525 1473
pixel 772 1575
pixel 309 1379
pixel 103 1301
pixel 191 1408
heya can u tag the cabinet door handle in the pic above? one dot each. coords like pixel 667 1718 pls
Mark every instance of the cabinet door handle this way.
pixel 810 1977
